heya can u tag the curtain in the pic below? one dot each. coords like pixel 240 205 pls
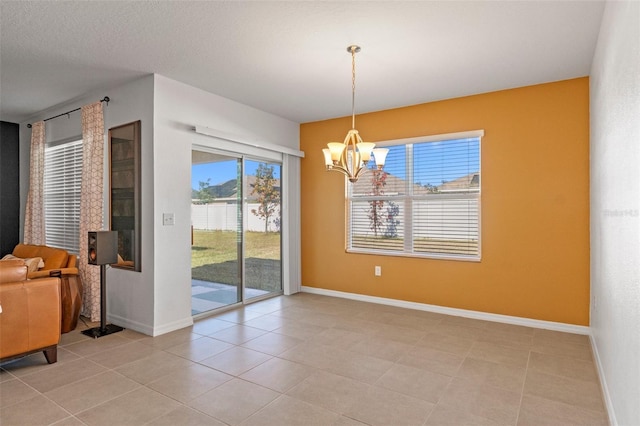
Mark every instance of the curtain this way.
pixel 34 231
pixel 91 203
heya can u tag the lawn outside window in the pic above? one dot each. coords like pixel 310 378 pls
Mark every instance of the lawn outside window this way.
pixel 424 203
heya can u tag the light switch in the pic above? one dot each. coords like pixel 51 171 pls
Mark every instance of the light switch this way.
pixel 168 219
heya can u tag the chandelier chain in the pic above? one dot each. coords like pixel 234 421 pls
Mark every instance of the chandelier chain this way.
pixel 353 87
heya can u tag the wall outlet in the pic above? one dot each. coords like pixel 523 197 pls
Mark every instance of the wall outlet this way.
pixel 378 271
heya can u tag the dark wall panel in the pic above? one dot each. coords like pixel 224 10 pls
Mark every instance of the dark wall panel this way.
pixel 9 186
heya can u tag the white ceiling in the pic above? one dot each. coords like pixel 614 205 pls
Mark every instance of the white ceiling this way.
pixel 290 58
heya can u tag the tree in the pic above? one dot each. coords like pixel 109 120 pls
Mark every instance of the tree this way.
pixel 268 194
pixel 203 193
pixel 375 213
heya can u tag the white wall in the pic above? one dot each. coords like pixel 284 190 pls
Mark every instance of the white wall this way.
pixel 178 108
pixel 130 294
pixel 615 209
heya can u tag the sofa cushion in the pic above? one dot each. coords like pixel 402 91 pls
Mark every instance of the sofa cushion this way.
pixel 12 271
pixel 54 258
pixel 33 263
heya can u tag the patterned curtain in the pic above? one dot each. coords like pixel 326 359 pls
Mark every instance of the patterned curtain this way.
pixel 91 203
pixel 34 232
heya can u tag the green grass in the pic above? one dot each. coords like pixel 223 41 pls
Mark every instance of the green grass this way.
pixel 214 258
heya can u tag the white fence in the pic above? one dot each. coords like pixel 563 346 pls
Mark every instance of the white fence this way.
pixel 224 217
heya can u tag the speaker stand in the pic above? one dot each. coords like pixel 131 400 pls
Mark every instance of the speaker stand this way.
pixel 104 329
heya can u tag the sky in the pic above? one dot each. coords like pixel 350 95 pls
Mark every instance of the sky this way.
pixel 223 171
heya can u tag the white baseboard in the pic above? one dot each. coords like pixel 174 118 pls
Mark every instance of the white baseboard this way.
pixel 603 383
pixel 526 322
pixel 148 329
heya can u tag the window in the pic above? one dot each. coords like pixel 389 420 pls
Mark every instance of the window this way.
pixel 425 203
pixel 62 179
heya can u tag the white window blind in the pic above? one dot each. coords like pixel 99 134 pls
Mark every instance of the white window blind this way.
pixel 426 201
pixel 62 179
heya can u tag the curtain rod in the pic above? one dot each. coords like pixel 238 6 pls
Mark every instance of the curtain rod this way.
pixel 105 99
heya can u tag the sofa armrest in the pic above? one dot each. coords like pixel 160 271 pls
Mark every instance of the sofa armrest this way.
pixel 31 315
pixel 45 273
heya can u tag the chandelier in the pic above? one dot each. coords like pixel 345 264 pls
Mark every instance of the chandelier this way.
pixel 351 156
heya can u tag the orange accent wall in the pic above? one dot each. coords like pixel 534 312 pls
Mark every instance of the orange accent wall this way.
pixel 534 209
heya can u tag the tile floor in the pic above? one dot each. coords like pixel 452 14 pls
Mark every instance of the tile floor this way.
pixel 311 360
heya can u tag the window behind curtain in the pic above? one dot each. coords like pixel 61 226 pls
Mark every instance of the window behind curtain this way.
pixel 62 179
pixel 425 203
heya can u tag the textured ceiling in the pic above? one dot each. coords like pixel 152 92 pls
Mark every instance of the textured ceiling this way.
pixel 289 58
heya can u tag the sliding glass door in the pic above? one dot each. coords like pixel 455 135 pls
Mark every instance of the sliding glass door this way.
pixel 235 216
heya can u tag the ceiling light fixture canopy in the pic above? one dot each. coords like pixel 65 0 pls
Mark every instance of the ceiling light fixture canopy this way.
pixel 351 156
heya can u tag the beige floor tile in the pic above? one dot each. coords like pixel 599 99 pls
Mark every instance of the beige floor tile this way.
pixel 290 411
pixel 457 330
pixel 123 354
pixel 562 348
pixel 185 384
pixel 563 366
pixel 331 391
pixel 384 407
pixel 157 365
pixel 238 316
pixel 409 336
pixel 238 334
pixel 278 374
pixel 536 411
pixel 234 401
pixel 433 360
pixel 550 337
pixel 266 322
pixel 62 374
pixel 510 328
pixel 37 363
pixel 209 326
pixel 346 421
pixel 443 415
pixel 14 391
pixel 132 335
pixel 482 400
pixel 185 416
pixel 272 343
pixel 33 412
pixel 199 349
pixel 299 331
pixel 69 421
pixel 134 408
pixel 320 319
pixel 506 338
pixel 89 346
pixel 318 356
pixel 580 393
pixel 171 339
pixel 359 367
pixel 447 343
pixel 415 322
pixel 6 375
pixel 415 382
pixel 501 354
pixel 503 376
pixel 381 348
pixel 236 360
pixel 95 390
pixel 464 321
pixel 337 337
pixel 71 337
pixel 267 306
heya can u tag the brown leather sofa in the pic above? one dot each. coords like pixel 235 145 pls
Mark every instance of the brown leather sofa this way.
pixel 30 313
pixel 58 262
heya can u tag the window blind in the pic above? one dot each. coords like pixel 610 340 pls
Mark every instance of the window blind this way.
pixel 425 203
pixel 62 180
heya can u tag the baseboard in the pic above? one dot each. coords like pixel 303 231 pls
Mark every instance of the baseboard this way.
pixel 603 383
pixel 147 329
pixel 526 322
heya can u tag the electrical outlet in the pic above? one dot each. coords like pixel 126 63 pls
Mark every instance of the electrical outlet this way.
pixel 378 271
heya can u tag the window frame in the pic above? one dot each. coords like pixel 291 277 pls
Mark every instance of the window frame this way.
pixel 408 199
